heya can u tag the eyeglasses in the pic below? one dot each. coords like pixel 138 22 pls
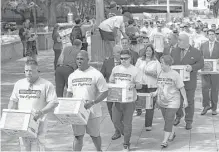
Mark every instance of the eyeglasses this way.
pixel 205 31
pixel 125 58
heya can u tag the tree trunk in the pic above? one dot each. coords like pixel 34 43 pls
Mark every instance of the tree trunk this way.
pixel 52 12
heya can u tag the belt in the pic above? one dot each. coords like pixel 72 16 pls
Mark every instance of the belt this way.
pixel 62 65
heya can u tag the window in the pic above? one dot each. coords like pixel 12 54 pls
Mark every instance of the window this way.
pixel 195 3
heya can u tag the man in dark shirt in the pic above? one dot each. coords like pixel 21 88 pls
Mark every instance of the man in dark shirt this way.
pixel 22 35
pixel 66 65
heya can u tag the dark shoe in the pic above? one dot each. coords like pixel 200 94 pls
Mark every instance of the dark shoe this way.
pixel 205 110
pixel 171 139
pixel 139 112
pixel 177 121
pixel 188 126
pixel 214 112
pixel 164 145
pixel 116 136
pixel 148 128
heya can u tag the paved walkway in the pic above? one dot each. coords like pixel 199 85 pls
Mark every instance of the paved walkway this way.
pixel 203 137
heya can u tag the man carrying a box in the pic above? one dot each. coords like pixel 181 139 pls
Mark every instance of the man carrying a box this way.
pixel 89 84
pixel 187 55
pixel 34 93
pixel 210 50
pixel 106 70
pixel 125 74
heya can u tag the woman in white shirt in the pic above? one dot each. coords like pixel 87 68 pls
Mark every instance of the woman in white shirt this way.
pixel 150 67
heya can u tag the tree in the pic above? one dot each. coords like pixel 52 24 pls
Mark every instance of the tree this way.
pixel 25 8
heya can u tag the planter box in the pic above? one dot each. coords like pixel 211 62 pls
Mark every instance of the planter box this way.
pixel 119 93
pixel 72 111
pixel 19 123
pixel 181 69
pixel 144 101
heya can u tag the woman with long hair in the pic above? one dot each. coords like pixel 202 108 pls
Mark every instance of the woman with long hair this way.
pixel 150 67
pixel 57 46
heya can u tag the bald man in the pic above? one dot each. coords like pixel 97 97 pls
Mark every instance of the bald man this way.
pixel 88 83
pixel 185 54
pixel 106 70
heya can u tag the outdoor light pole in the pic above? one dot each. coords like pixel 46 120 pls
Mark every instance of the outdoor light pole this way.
pixel 168 10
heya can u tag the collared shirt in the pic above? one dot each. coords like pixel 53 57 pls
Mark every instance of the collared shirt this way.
pixel 211 47
pixel 183 52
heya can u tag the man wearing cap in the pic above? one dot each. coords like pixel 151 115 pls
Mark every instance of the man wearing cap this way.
pixel 158 40
pixel 210 50
pixel 113 11
pixel 66 65
pixel 198 38
pixel 110 29
pixel 187 55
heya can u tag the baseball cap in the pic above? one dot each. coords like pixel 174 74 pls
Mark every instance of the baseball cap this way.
pixel 128 15
pixel 112 4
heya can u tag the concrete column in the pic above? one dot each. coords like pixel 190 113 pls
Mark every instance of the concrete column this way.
pixel 97 45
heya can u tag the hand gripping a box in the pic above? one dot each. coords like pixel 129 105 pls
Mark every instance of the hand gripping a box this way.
pixel 144 101
pixel 181 69
pixel 120 93
pixel 72 111
pixel 211 66
pixel 19 123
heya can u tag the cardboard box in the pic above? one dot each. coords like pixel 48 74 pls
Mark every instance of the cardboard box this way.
pixel 72 111
pixel 120 93
pixel 211 66
pixel 181 69
pixel 19 123
pixel 144 101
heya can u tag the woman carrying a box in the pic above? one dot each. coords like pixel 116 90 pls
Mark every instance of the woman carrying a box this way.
pixel 170 85
pixel 150 67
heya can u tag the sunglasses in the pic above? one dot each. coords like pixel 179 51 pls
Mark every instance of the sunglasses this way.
pixel 217 33
pixel 125 58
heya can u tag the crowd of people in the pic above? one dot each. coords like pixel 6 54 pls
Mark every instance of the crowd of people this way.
pixel 141 58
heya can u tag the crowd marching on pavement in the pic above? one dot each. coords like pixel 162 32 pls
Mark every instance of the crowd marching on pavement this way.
pixel 141 57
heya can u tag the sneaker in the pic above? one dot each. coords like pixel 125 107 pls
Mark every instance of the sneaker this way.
pixel 214 112
pixel 148 128
pixel 126 148
pixel 116 136
pixel 205 110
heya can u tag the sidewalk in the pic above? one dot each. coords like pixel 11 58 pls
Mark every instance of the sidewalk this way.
pixel 203 137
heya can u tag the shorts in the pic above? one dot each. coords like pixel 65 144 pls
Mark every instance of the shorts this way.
pixel 92 128
pixel 107 36
pixel 169 116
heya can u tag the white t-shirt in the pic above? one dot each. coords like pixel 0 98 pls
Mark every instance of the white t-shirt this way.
pixel 123 75
pixel 143 66
pixel 169 84
pixel 87 85
pixel 158 39
pixel 113 22
pixel 41 93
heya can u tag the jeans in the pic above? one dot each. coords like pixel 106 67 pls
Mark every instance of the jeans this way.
pixel 61 79
pixel 57 54
pixel 110 109
pixel 210 85
pixel 122 117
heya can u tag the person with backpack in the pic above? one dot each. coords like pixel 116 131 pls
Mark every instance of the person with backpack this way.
pixel 77 34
